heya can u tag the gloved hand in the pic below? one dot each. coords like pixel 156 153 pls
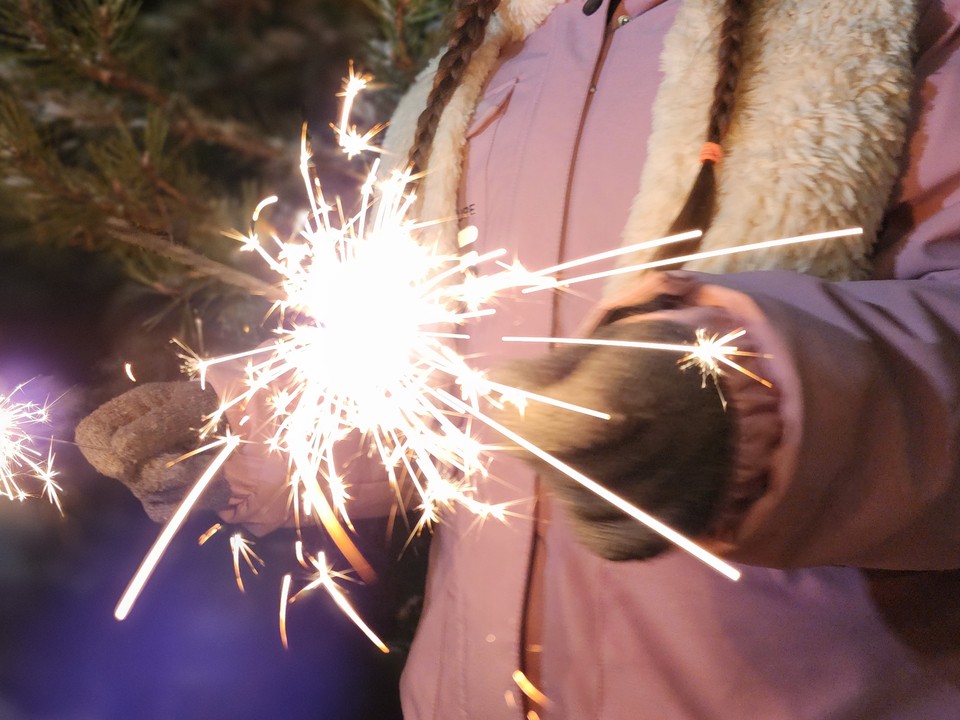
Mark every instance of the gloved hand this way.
pixel 136 437
pixel 667 448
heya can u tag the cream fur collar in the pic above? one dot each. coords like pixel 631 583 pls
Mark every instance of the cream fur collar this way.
pixel 815 141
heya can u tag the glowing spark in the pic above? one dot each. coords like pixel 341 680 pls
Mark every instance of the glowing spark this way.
pixel 529 689
pixel 752 247
pixel 213 530
pixel 241 549
pixel 128 369
pixel 637 344
pixel 160 545
pixel 711 350
pixel 21 460
pixel 284 601
pixel 617 252
pixel 519 399
pixel 366 311
pixel 353 85
pixel 325 579
pixel 265 203
pixel 707 354
pixel 298 551
pixel 351 141
pixel 50 489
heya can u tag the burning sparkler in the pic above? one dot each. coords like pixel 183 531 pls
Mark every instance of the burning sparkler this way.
pixel 367 317
pixel 22 462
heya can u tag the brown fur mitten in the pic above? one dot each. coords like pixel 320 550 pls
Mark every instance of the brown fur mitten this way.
pixel 667 447
pixel 137 438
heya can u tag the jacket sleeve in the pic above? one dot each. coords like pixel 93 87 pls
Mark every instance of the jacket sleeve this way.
pixel 867 469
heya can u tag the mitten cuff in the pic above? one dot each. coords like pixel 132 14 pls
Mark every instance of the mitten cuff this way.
pixel 754 406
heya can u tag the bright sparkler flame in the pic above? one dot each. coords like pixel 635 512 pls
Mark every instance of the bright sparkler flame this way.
pixel 22 462
pixel 363 347
pixel 366 317
pixel 367 313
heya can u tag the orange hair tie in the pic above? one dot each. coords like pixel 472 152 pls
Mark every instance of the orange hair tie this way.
pixel 711 151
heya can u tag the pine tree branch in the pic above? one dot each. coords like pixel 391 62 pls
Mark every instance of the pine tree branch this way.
pixel 109 134
pixel 409 36
pixel 160 244
pixel 401 53
pixel 100 65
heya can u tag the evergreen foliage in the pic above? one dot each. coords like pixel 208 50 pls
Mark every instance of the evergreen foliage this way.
pixel 142 130
pixel 132 134
pixel 410 32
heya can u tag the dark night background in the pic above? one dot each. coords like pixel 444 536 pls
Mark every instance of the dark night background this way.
pixel 194 647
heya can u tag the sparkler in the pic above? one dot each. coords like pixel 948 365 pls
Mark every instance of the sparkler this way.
pixel 22 463
pixel 367 317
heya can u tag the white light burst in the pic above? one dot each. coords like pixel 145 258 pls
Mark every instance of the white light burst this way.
pixel 26 469
pixel 367 320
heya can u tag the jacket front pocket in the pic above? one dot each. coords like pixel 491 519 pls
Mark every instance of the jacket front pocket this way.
pixel 491 107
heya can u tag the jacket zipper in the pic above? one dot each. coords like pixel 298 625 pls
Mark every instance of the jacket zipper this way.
pixel 533 587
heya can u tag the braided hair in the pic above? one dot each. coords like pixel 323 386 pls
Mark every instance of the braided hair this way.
pixel 697 211
pixel 469 28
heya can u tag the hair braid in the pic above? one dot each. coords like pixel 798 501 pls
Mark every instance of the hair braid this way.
pixel 469 28
pixel 730 58
pixel 697 212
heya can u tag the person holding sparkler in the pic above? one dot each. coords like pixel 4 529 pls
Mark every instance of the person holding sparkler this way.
pixel 836 483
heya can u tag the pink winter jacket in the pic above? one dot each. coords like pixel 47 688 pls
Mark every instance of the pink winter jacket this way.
pixel 852 462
